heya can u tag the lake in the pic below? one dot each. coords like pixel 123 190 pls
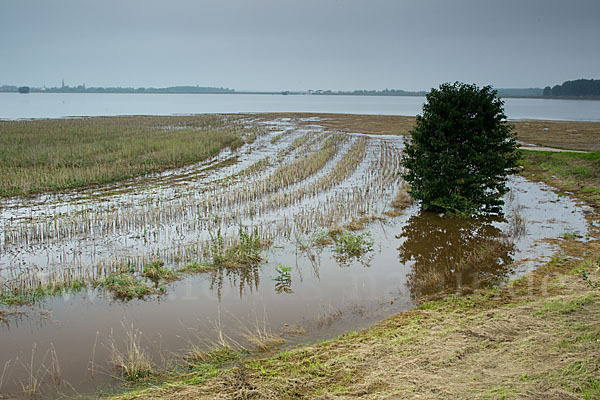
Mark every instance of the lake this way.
pixel 56 105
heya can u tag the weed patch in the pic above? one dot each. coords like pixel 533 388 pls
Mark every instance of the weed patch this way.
pixel 244 253
pixel 561 306
pixel 350 245
pixel 126 286
pixel 157 273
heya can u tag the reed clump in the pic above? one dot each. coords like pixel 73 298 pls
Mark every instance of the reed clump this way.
pixel 131 361
pixel 244 253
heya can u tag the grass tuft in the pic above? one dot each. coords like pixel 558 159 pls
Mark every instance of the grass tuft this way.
pixel 156 272
pixel 126 286
pixel 131 361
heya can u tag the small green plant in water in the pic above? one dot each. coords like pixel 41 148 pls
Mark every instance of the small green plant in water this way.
pixel 568 235
pixel 217 247
pixel 354 245
pixel 322 238
pixel 283 279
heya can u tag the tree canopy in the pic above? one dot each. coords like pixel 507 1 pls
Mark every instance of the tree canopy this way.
pixel 461 150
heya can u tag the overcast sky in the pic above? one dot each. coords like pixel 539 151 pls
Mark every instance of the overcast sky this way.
pixel 298 44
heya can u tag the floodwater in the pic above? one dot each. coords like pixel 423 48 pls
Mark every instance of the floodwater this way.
pixel 57 105
pixel 169 216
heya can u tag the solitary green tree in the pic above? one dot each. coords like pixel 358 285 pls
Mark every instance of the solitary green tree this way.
pixel 461 150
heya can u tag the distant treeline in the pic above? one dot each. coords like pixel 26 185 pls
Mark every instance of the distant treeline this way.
pixel 83 89
pixel 577 88
pixel 586 88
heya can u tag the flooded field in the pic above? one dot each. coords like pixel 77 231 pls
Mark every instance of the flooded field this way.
pixel 339 250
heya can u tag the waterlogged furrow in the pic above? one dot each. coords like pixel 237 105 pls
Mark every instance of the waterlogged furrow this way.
pixel 261 167
pixel 347 164
pixel 331 183
pixel 366 193
pixel 160 220
pixel 114 215
pixel 344 204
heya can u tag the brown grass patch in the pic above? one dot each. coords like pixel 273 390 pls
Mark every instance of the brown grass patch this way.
pixel 561 134
pixel 402 199
pixel 359 224
pixel 578 135
pixel 393 213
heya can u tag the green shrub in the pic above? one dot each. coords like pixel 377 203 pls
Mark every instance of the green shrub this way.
pixel 461 150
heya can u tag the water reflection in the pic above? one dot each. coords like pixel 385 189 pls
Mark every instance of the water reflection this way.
pixel 453 254
pixel 244 278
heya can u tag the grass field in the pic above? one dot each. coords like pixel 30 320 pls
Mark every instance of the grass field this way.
pixel 58 154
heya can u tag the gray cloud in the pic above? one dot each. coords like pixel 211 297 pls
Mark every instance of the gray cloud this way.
pixel 304 44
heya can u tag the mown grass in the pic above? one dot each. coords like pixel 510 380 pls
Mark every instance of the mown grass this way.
pixel 58 154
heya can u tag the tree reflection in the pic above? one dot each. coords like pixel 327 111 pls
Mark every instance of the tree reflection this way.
pixel 453 254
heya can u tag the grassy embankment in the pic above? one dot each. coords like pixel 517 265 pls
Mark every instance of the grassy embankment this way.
pixel 538 337
pixel 59 154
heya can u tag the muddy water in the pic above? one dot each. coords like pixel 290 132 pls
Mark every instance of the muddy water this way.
pixel 414 255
